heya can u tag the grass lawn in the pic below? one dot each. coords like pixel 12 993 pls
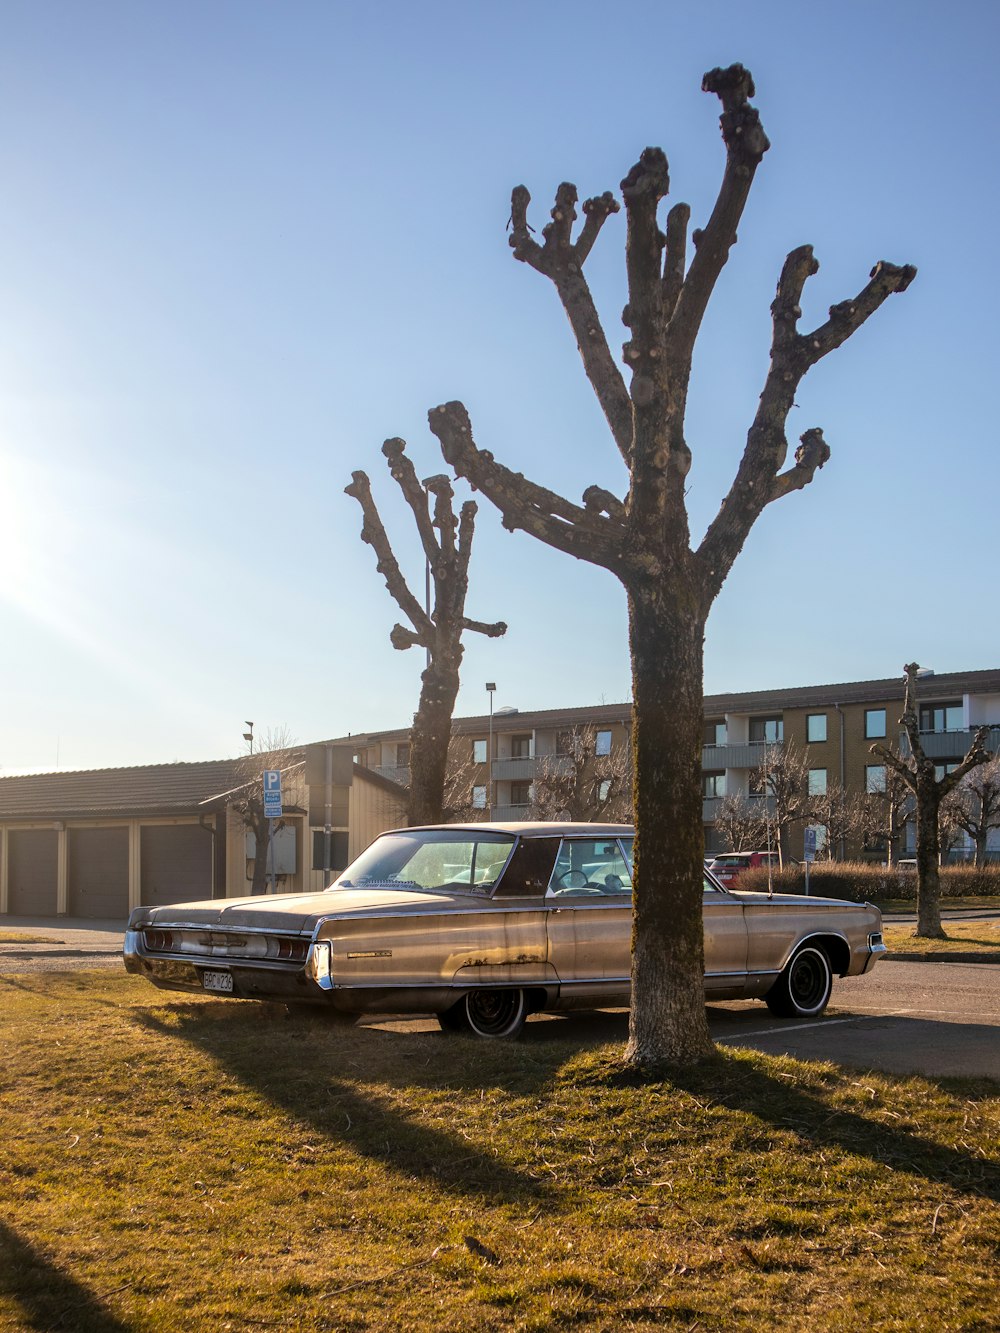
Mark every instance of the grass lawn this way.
pixel 169 1163
pixel 963 937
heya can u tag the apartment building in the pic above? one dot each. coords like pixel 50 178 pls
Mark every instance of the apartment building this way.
pixel 834 726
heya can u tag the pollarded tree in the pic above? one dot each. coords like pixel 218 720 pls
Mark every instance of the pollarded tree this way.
pixel 919 772
pixel 782 781
pixel 886 810
pixel 839 813
pixel 643 538
pixel 742 822
pixel 438 630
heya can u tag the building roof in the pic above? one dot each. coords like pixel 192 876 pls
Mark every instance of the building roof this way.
pixel 151 789
pixel 947 685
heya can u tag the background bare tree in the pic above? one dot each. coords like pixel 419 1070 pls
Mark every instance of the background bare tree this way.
pixel 459 787
pixel 886 813
pixel 439 630
pixel 582 784
pixel 276 748
pixel 644 539
pixel 782 780
pixel 839 813
pixel 918 771
pixel 976 802
pixel 742 822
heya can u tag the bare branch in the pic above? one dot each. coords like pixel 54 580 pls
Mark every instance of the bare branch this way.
pixel 599 501
pixel 675 256
pixel 374 534
pixel 494 631
pixel 897 764
pixel 522 503
pixel 977 754
pixel 759 480
pixel 562 262
pixel 404 473
pixel 746 144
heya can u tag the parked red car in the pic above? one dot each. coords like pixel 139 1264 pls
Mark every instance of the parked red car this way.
pixel 728 866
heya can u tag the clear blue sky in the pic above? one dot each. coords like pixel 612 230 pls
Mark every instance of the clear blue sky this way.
pixel 244 242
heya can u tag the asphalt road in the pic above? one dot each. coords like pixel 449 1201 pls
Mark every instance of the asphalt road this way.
pixel 938 1019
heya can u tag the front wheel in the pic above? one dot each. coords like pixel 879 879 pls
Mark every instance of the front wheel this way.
pixel 803 989
pixel 489 1014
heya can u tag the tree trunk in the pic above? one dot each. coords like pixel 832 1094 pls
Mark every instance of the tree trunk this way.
pixel 430 737
pixel 668 1024
pixel 928 861
pixel 982 836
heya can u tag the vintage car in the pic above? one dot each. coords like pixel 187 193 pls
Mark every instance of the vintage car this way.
pixel 483 924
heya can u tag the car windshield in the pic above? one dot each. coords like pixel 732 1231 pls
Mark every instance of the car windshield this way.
pixel 456 860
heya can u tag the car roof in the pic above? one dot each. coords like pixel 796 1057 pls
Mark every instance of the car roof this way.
pixel 528 828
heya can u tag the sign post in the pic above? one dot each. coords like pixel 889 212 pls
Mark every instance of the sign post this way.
pixel 809 850
pixel 272 812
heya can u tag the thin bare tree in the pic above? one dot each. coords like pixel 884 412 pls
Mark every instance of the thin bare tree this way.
pixel 977 806
pixel 742 822
pixel 447 546
pixel 919 772
pixel 838 812
pixel 643 538
pixel 579 783
pixel 885 813
pixel 782 781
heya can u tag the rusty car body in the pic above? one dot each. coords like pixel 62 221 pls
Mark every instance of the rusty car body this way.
pixel 483 924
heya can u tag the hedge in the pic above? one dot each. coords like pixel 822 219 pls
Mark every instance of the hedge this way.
pixel 860 881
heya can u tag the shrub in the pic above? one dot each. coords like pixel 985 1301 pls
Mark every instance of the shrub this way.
pixel 860 881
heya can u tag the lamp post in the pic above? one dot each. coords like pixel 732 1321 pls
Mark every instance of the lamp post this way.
pixel 490 687
pixel 248 735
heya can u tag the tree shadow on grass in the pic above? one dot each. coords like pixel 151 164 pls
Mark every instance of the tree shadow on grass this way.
pixel 296 1066
pixel 746 1085
pixel 47 1297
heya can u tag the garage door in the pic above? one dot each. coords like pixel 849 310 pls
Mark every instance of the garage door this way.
pixel 32 871
pixel 98 872
pixel 175 863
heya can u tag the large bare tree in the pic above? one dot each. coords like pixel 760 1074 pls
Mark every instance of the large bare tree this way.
pixel 643 538
pixel 919 772
pixel 438 629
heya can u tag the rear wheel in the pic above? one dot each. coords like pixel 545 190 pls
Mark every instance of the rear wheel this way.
pixel 490 1014
pixel 803 989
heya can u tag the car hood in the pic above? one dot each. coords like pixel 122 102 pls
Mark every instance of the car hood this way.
pixel 794 900
pixel 294 911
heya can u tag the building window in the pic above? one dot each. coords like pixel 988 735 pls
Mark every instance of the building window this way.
pixel 874 723
pixel 479 798
pixel 403 755
pixel 874 778
pixel 817 782
pixel 941 769
pixel 713 785
pixel 479 752
pixel 770 730
pixel 815 727
pixel 602 745
pixel 942 717
pixel 714 733
pixel 520 747
pixel 520 793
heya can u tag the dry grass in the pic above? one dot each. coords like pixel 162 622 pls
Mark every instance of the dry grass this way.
pixel 186 1164
pixel 981 937
pixel 23 937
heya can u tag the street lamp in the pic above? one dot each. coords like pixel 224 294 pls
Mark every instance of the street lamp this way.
pixel 490 687
pixel 248 735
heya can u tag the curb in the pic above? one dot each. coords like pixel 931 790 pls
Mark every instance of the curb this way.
pixel 940 956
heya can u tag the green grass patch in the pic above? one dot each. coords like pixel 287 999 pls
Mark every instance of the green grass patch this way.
pixel 173 1164
pixel 962 937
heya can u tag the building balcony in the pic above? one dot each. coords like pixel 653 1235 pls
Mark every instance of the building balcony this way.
pixel 517 770
pixel 744 754
pixel 508 813
pixel 950 744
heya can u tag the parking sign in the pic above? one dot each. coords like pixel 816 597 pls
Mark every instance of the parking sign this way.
pixel 272 793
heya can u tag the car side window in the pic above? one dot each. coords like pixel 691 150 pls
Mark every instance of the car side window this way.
pixel 589 867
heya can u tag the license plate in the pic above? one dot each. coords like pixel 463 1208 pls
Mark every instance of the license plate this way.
pixel 218 981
